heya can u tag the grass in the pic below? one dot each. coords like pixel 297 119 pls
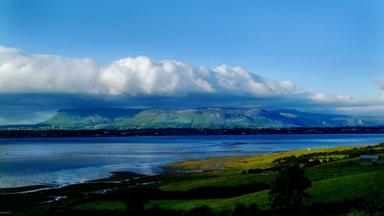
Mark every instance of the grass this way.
pixel 334 189
pixel 333 181
pixel 356 185
pixel 260 198
pixel 232 180
pixel 232 177
pixel 234 162
pixel 101 205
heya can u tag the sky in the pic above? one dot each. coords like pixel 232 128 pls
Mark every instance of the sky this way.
pixel 302 54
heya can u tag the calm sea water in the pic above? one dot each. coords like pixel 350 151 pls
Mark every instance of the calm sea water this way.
pixel 59 161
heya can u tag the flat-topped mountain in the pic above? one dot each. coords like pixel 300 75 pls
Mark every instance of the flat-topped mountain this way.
pixel 110 118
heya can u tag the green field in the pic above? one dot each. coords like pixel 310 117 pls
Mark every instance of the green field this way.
pixel 101 205
pixel 344 178
pixel 337 179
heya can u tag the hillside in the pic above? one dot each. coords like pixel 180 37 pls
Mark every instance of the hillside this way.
pixel 199 118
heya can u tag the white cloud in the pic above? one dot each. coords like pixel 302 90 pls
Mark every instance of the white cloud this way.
pixel 328 98
pixel 142 75
pixel 380 85
pixel 3 121
pixel 23 72
pixel 365 108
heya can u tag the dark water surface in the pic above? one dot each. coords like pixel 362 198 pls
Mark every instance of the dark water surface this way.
pixel 60 161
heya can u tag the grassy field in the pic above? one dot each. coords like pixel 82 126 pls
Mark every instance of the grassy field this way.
pixel 260 161
pixel 101 205
pixel 342 178
pixel 230 180
pixel 353 183
pixel 260 198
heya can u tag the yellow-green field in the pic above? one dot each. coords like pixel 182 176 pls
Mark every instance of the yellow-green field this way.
pixel 260 161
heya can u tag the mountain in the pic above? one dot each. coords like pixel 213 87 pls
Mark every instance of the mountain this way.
pixel 199 118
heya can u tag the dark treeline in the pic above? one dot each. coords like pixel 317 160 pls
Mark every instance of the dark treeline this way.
pixel 140 195
pixel 187 131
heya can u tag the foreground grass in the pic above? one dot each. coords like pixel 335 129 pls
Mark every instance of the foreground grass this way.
pixel 336 189
pixel 101 205
pixel 358 185
pixel 334 182
pixel 224 180
pixel 261 198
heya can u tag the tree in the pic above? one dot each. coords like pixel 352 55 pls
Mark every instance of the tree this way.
pixel 288 188
pixel 200 211
pixel 241 210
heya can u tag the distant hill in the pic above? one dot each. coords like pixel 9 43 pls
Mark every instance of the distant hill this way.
pixel 199 118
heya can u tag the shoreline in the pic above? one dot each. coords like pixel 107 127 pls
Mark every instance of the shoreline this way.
pixel 61 133
pixel 183 166
pixel 114 177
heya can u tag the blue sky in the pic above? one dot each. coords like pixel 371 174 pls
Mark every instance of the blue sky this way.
pixel 330 46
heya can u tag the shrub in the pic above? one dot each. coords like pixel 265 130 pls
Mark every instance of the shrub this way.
pixel 288 188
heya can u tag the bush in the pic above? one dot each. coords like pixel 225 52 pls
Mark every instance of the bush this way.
pixel 288 188
pixel 241 210
pixel 200 211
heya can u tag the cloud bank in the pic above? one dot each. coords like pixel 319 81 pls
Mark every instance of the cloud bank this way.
pixel 21 72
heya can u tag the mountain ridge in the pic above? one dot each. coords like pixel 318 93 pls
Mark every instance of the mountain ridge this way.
pixel 210 117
